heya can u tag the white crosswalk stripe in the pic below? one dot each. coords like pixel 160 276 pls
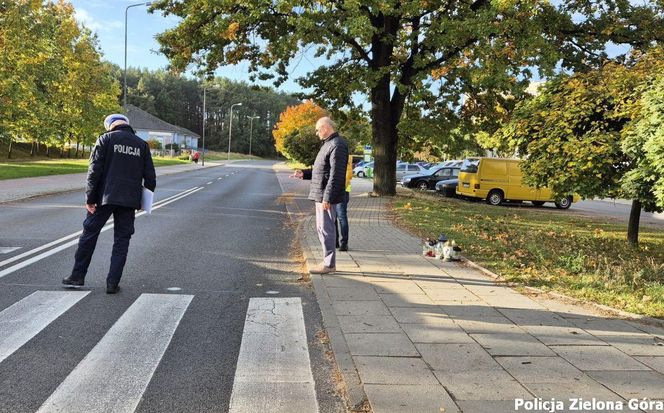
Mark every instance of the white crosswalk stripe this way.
pixel 25 319
pixel 116 372
pixel 273 369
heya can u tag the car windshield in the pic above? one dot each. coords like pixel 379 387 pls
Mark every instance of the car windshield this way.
pixel 470 165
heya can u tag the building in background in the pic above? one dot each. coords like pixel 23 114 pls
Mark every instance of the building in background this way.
pixel 149 127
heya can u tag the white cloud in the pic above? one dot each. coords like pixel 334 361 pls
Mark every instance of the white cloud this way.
pixel 86 19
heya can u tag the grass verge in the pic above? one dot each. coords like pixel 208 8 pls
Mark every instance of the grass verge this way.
pixel 553 250
pixel 23 168
pixel 296 165
pixel 222 156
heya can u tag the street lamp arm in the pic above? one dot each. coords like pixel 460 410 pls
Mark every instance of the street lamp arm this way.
pixel 124 88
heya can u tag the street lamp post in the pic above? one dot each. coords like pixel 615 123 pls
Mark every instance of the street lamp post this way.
pixel 251 130
pixel 124 88
pixel 204 116
pixel 230 129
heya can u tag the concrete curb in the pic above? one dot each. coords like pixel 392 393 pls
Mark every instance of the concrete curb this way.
pixel 82 187
pixel 356 398
pixel 599 307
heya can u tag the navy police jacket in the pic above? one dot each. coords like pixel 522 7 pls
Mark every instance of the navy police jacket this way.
pixel 120 165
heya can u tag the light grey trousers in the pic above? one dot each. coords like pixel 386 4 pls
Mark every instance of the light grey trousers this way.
pixel 327 234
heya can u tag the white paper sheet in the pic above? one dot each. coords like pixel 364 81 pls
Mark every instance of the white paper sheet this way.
pixel 146 200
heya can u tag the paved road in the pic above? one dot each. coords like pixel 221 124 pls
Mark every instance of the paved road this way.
pixel 210 306
pixel 618 211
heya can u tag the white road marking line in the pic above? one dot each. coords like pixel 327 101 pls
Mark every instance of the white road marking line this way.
pixel 26 318
pixel 273 369
pixel 59 248
pixel 76 234
pixel 209 183
pixel 219 179
pixel 7 250
pixel 116 372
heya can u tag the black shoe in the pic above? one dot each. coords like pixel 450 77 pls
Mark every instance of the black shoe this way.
pixel 343 248
pixel 73 281
pixel 112 288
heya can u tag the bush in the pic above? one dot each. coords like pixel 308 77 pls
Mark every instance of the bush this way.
pixel 302 145
pixel 173 146
pixel 154 144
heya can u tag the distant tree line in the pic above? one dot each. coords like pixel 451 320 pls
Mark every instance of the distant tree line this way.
pixel 179 100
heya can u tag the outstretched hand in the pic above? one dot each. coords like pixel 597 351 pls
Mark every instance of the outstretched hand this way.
pixel 298 175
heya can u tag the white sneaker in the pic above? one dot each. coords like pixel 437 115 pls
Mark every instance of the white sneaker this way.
pixel 323 270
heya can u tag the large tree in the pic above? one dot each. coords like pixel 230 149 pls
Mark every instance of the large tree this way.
pixel 436 56
pixel 54 89
pixel 595 133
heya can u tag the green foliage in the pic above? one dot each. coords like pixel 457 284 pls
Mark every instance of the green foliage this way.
pixel 457 65
pixel 553 250
pixel 154 144
pixel 573 263
pixel 647 134
pixel 179 100
pixel 302 145
pixel 54 89
pixel 587 133
pixel 174 146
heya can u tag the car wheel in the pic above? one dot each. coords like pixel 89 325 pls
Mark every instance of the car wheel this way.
pixel 360 174
pixel 538 203
pixel 495 197
pixel 564 203
pixel 422 186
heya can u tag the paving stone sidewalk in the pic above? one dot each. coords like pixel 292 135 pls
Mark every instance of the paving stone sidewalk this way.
pixel 414 334
pixel 22 188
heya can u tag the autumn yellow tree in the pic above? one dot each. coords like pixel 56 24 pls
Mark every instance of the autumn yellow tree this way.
pixel 296 123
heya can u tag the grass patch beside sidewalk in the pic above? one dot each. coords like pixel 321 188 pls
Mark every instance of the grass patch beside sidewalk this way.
pixel 30 168
pixel 223 156
pixel 553 250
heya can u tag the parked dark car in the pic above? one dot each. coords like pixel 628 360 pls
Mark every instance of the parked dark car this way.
pixel 429 179
pixel 447 187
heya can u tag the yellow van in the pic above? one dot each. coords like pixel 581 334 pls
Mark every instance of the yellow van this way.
pixel 500 179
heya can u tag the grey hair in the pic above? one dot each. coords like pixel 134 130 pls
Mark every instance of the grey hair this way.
pixel 326 120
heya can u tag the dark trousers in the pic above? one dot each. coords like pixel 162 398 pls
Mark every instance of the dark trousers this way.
pixel 123 229
pixel 342 221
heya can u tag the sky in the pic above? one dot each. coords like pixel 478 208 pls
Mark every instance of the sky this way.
pixel 106 18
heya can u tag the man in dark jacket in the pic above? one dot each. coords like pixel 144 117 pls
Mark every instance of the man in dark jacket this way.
pixel 120 165
pixel 328 186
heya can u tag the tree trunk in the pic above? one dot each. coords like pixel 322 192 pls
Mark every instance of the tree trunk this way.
pixel 32 148
pixel 384 134
pixel 633 226
pixel 9 151
pixel 48 151
pixel 77 144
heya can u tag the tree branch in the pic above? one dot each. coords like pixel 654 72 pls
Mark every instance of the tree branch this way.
pixel 352 42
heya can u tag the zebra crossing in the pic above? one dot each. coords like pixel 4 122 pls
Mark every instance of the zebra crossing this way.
pixel 273 372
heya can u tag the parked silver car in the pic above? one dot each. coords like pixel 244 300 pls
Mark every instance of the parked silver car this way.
pixel 404 169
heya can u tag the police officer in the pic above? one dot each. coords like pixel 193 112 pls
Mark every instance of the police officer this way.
pixel 120 165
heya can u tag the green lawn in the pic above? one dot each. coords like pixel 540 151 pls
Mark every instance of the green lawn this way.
pixel 29 168
pixel 549 249
pixel 222 156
